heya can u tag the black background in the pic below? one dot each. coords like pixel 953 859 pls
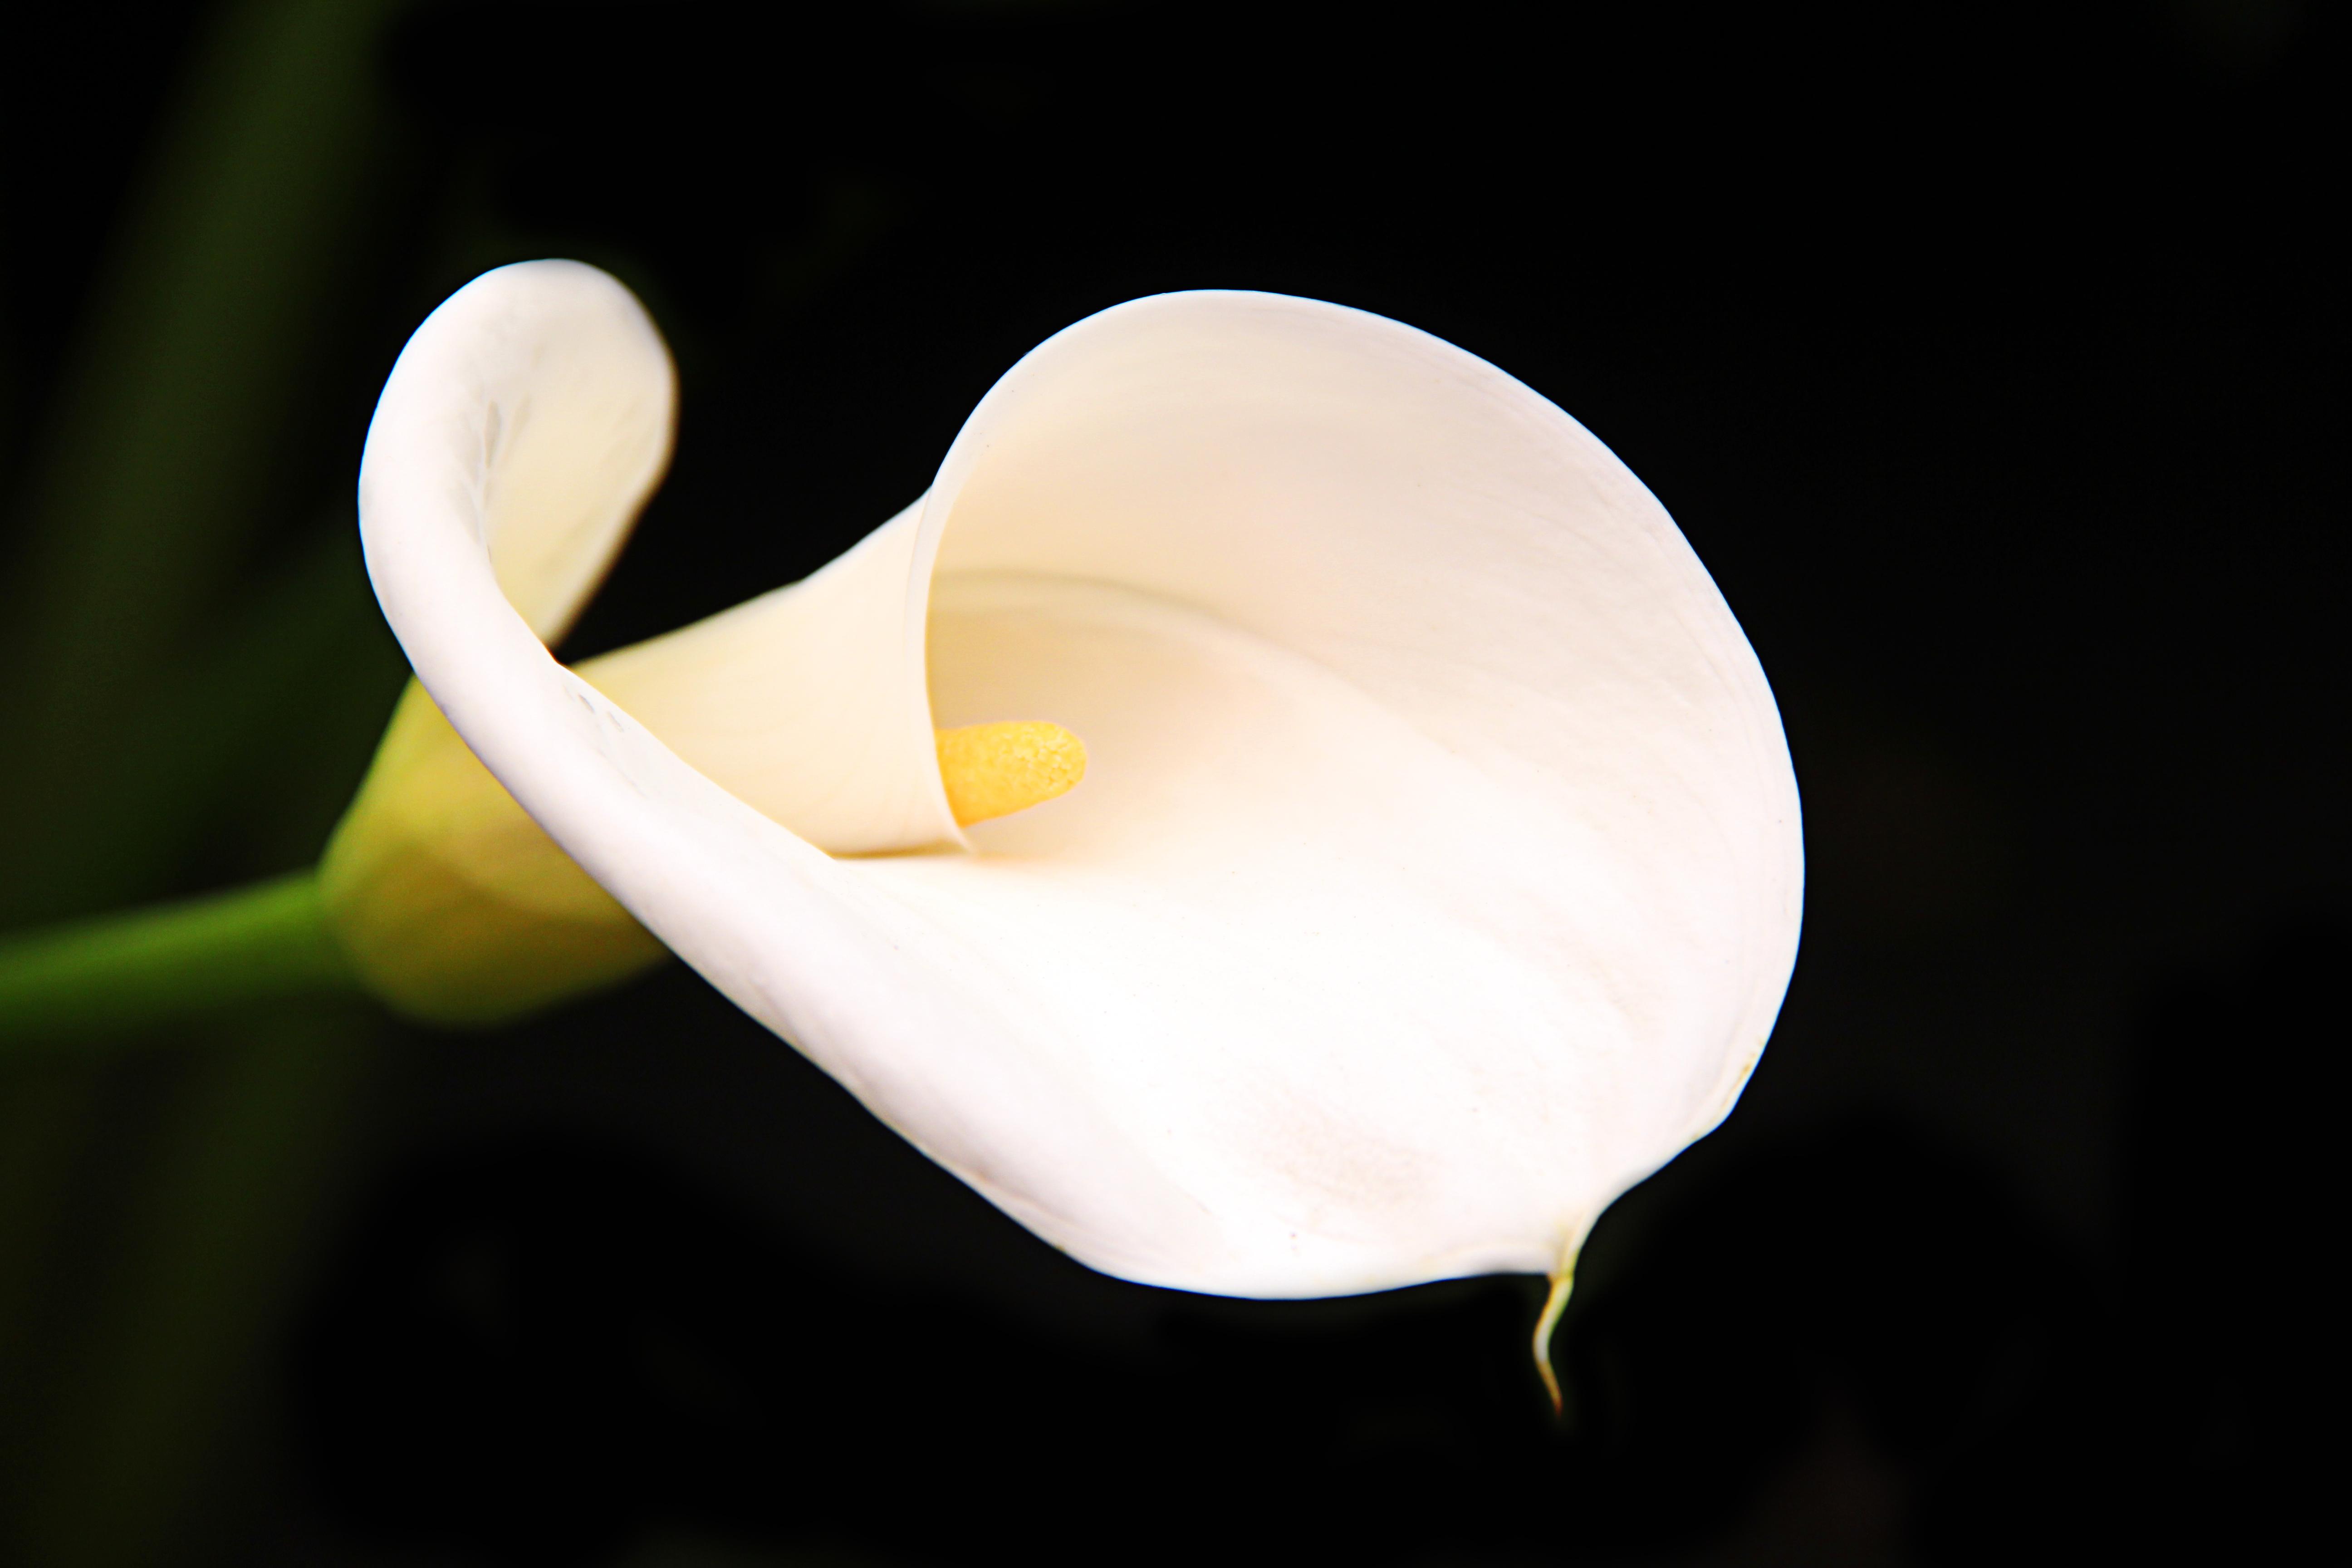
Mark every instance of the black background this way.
pixel 1990 358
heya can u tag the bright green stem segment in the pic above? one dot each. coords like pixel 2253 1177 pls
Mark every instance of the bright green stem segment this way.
pixel 154 966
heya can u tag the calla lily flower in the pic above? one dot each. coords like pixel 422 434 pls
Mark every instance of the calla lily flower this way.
pixel 1435 873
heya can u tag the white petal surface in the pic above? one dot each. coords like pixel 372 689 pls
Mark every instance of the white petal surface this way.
pixel 555 419
pixel 807 702
pixel 1436 873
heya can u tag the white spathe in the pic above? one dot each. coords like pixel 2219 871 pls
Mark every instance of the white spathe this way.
pixel 1437 869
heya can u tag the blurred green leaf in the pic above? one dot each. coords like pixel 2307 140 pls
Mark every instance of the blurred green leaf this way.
pixel 165 716
pixel 214 1241
pixel 159 466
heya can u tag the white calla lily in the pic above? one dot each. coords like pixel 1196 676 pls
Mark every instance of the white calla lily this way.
pixel 1436 874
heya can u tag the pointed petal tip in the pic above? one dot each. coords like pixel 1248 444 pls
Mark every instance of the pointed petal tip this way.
pixel 1554 1305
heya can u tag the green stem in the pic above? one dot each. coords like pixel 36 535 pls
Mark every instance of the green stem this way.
pixel 154 965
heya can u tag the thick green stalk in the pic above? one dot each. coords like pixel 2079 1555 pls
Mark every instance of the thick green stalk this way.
pixel 151 966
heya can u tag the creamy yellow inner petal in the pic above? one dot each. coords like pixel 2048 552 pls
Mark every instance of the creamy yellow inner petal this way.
pixel 996 770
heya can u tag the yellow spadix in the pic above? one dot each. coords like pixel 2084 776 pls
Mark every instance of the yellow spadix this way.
pixel 996 770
